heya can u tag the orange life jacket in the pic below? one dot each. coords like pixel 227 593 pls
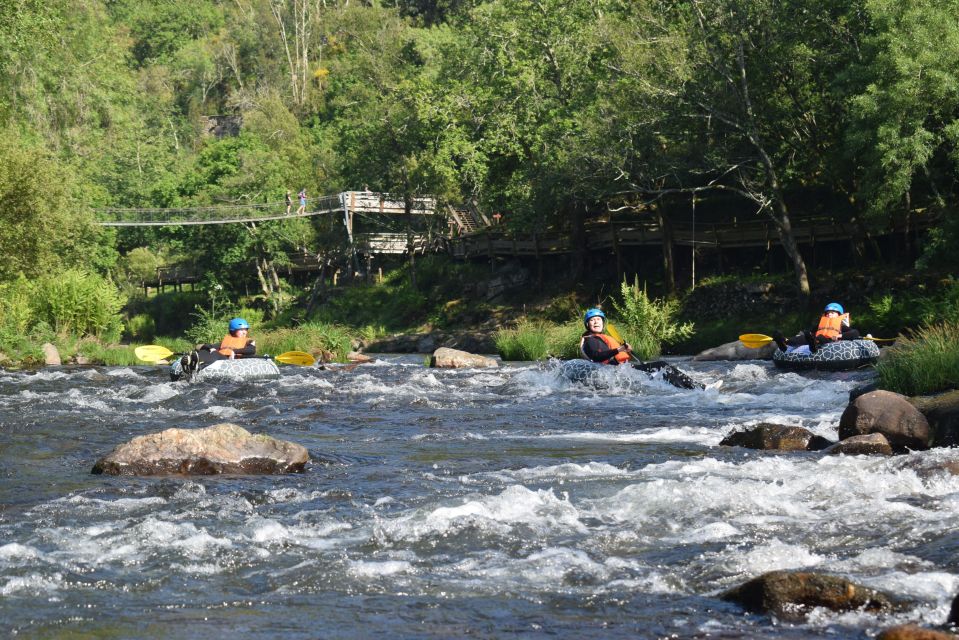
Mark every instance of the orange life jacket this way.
pixel 229 343
pixel 831 327
pixel 612 344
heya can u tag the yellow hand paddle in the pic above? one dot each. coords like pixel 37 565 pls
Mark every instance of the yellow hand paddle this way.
pixel 754 340
pixel 152 353
pixel 300 358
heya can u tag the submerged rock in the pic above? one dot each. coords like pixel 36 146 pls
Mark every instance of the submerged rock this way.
pixel 222 448
pixel 445 358
pixel 913 632
pixel 776 437
pixel 737 351
pixel 790 595
pixel 889 414
pixel 869 444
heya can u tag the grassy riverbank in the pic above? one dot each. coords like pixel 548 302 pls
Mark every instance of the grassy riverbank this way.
pixel 526 322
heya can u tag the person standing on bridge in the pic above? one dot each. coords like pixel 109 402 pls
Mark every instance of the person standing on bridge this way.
pixel 289 202
pixel 302 196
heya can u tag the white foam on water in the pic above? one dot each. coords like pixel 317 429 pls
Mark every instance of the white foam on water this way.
pixel 32 585
pixel 370 569
pixel 497 514
pixel 222 412
pixel 664 434
pixel 16 551
pixel 567 471
pixel 302 380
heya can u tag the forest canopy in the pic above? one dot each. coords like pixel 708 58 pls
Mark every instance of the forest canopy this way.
pixel 553 110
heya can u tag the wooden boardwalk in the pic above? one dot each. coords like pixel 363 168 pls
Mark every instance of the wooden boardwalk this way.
pixel 610 237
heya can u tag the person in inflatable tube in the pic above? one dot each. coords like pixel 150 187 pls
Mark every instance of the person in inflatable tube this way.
pixel 235 344
pixel 596 346
pixel 834 324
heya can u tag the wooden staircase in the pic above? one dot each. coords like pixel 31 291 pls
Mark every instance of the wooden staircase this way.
pixel 467 218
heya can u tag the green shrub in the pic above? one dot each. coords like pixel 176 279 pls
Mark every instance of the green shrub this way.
pixel 141 328
pixel 79 303
pixel 648 324
pixel 925 363
pixel 107 354
pixel 309 337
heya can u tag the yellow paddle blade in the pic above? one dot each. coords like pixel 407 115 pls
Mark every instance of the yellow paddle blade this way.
pixel 754 340
pixel 300 358
pixel 152 353
pixel 611 329
pixel 879 339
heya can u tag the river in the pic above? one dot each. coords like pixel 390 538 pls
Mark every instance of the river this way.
pixel 451 503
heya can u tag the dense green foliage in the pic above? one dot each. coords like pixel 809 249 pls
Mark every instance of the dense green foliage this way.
pixel 647 324
pixel 925 363
pixel 552 111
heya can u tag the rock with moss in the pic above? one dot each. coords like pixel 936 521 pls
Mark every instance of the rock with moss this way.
pixel 776 437
pixel 221 448
pixel 791 595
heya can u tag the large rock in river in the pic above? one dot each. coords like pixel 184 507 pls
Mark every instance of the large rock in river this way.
pixel 222 448
pixel 737 351
pixel 776 437
pixel 790 595
pixel 942 412
pixel 446 358
pixel 889 414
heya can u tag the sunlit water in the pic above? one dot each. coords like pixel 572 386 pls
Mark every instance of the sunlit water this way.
pixel 441 504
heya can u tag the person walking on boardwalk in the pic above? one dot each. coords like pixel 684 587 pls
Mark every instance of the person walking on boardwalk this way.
pixel 596 346
pixel 302 196
pixel 289 202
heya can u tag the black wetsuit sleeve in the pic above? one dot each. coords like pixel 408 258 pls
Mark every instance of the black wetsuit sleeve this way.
pixel 850 333
pixel 248 351
pixel 207 347
pixel 596 350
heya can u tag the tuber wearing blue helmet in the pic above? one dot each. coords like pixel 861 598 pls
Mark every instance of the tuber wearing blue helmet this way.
pixel 238 323
pixel 835 306
pixel 592 313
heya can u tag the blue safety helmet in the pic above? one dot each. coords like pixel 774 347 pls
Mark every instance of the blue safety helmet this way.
pixel 835 306
pixel 592 313
pixel 238 323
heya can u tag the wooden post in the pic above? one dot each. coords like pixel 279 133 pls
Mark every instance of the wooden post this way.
pixel 539 262
pixel 619 257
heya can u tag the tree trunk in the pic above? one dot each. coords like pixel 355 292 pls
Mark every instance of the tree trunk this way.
pixel 669 266
pixel 577 239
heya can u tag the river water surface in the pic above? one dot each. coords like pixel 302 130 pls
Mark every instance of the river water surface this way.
pixel 451 503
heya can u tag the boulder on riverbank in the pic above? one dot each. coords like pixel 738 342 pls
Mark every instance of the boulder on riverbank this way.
pixel 790 595
pixel 776 437
pixel 736 351
pixel 51 356
pixel 222 448
pixel 887 413
pixel 444 358
pixel 942 413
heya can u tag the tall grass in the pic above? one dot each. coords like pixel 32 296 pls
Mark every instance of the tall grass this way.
pixel 311 337
pixel 927 362
pixel 537 340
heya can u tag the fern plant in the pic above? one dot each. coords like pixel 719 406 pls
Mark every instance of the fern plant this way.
pixel 648 324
